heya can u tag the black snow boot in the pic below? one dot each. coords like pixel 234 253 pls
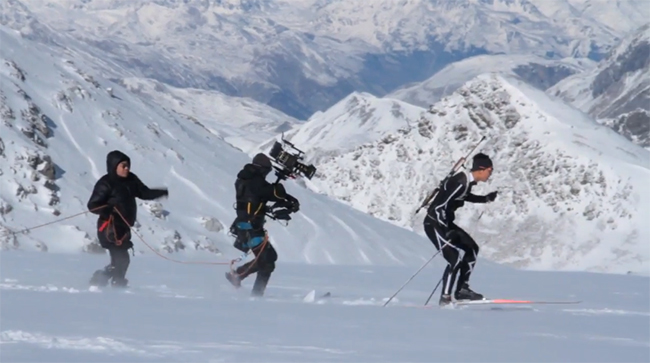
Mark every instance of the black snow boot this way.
pixel 120 282
pixel 234 279
pixel 465 293
pixel 102 277
pixel 261 280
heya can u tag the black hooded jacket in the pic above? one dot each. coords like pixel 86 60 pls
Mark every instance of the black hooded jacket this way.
pixel 253 192
pixel 119 193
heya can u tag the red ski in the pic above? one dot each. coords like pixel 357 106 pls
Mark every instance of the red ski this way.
pixel 509 301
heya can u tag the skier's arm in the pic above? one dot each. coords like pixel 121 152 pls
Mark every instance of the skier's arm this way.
pixel 473 198
pixel 145 193
pixel 99 198
pixel 481 198
pixel 452 190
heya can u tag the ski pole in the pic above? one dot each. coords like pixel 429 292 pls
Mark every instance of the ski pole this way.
pixel 458 164
pixel 411 278
pixel 433 292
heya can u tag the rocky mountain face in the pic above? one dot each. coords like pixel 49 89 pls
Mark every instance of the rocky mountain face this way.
pixel 571 192
pixel 617 92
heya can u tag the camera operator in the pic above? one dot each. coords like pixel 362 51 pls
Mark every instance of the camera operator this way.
pixel 253 192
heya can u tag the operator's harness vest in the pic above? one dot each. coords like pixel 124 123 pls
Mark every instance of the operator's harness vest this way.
pixel 250 216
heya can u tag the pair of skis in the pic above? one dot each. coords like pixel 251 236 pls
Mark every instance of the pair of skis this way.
pixel 510 301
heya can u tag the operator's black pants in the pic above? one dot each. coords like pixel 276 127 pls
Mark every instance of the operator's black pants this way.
pixel 460 252
pixel 263 265
pixel 120 261
pixel 120 258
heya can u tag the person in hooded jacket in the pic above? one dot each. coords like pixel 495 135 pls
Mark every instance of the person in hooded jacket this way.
pixel 252 194
pixel 113 199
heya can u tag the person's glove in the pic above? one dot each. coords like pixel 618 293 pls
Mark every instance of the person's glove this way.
pixel 108 209
pixel 294 204
pixel 491 197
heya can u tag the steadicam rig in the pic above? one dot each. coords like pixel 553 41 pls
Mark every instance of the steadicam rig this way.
pixel 289 164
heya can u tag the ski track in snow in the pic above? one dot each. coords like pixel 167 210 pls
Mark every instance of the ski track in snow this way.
pixel 195 188
pixel 96 173
pixel 355 237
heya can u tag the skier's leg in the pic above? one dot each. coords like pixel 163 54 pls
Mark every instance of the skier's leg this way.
pixel 471 249
pixel 450 252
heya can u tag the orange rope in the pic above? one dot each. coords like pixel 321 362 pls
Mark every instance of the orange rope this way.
pixel 171 259
pixel 10 232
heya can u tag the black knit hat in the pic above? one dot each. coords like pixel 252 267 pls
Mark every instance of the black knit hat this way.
pixel 481 161
pixel 262 160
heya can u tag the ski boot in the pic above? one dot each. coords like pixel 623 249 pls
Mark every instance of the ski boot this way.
pixel 234 279
pixel 465 293
pixel 445 300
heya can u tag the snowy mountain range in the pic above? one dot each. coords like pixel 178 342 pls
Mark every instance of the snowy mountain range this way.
pixel 537 71
pixel 300 56
pixel 617 92
pixel 357 119
pixel 241 122
pixel 59 120
pixel 573 193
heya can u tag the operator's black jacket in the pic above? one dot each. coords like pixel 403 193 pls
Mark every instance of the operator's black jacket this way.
pixel 119 193
pixel 452 195
pixel 253 192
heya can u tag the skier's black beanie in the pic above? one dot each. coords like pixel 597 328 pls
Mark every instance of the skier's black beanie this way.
pixel 481 161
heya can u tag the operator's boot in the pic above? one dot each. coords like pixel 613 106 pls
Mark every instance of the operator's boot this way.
pixel 234 279
pixel 261 280
pixel 102 277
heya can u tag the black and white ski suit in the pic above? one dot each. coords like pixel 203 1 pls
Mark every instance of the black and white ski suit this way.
pixel 458 247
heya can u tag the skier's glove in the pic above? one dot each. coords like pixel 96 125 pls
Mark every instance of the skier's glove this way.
pixel 451 235
pixel 491 197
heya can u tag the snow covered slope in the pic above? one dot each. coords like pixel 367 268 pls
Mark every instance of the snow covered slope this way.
pixel 573 193
pixel 357 119
pixel 180 313
pixel 617 92
pixel 58 124
pixel 241 122
pixel 538 71
pixel 301 56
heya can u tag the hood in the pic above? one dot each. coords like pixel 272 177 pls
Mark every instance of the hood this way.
pixel 251 171
pixel 112 159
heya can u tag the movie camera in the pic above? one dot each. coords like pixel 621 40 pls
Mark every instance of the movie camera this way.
pixel 289 163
